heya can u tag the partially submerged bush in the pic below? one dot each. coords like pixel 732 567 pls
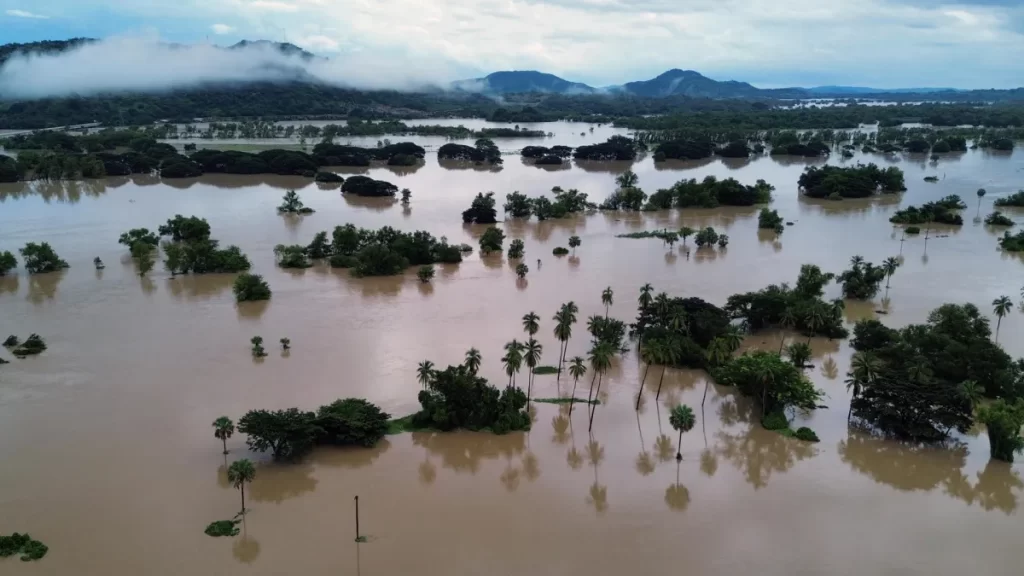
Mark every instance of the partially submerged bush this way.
pixel 32 345
pixel 11 341
pixel 560 251
pixel 806 434
pixel 251 287
pixel 223 528
pixel 22 544
pixel 998 219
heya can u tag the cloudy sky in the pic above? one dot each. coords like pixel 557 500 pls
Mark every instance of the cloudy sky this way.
pixel 770 43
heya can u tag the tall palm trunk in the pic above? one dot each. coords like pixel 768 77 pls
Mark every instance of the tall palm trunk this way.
pixel 243 498
pixel 660 380
pixel 593 407
pixel 224 440
pixel 999 322
pixel 529 384
pixel 572 398
pixel 705 395
pixel 591 392
pixel 641 393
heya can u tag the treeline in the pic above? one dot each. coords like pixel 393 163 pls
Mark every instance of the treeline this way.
pixel 710 193
pixel 383 252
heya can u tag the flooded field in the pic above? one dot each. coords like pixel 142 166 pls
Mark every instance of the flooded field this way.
pixel 109 458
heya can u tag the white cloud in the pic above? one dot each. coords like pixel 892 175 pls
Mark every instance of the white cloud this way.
pixel 222 29
pixel 318 43
pixel 24 14
pixel 271 6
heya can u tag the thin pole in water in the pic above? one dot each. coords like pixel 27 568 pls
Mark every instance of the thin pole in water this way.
pixel 357 519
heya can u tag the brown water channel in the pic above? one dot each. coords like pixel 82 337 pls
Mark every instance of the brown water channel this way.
pixel 109 458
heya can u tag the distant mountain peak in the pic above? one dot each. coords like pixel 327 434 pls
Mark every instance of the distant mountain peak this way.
pixel 520 81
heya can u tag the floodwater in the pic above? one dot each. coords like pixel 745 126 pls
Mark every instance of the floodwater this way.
pixel 109 457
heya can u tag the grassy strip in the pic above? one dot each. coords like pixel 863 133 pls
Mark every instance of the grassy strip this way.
pixel 646 234
pixel 545 370
pixel 595 401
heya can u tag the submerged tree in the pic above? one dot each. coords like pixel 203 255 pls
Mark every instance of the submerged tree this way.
pixel 492 240
pixel 889 266
pixel 521 270
pixel 577 369
pixel 1004 421
pixel 223 428
pixel 7 262
pixel 517 249
pixel 240 473
pixel 425 273
pixel 40 258
pixel 142 253
pixel 292 204
pixel 257 347
pixel 574 241
pixel 682 419
pixel 251 287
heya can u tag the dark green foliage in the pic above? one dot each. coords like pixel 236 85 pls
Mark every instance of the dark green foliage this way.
pixel 482 210
pixel 710 193
pixel 625 199
pixel 399 154
pixel 142 254
pixel 734 149
pixel 328 177
pixel 684 150
pixel 425 273
pixel 491 240
pixel 775 420
pixel 456 398
pixel 366 186
pixel 32 345
pixel 517 249
pixel 518 205
pixel 941 147
pixel 806 434
pixel 387 251
pixel 1012 242
pixel 179 167
pixel 1016 199
pixel 560 251
pixel 567 400
pixel 1000 144
pixel 544 370
pixel 223 528
pixel 706 237
pixel 770 380
pixel 351 422
pixel 10 171
pixel 182 229
pixel 608 331
pixel 291 256
pixel 917 393
pixel 998 219
pixel 1004 421
pixel 7 262
pixel 40 258
pixel 22 544
pixel 615 148
pixel 320 247
pixel 852 182
pixel 292 204
pixel 288 434
pixel 272 161
pixel 912 230
pixel 484 151
pixel 143 235
pixel 522 270
pixel 770 220
pixel 682 327
pixel 541 152
pixel 942 212
pixel 11 341
pixel 862 280
pixel 917 146
pixel 251 287
pixel 814 149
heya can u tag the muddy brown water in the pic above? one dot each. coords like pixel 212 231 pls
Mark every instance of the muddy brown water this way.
pixel 109 458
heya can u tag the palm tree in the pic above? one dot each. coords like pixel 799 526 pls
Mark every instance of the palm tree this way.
pixel 532 357
pixel 682 419
pixel 239 473
pixel 890 265
pixel 607 299
pixel 223 428
pixel 856 261
pixel 972 391
pixel 600 360
pixel 1001 306
pixel 788 321
pixel 577 369
pixel 733 339
pixel 531 323
pixel 649 353
pixel 564 319
pixel 473 360
pixel 513 360
pixel 668 357
pixel 814 319
pixel 981 194
pixel 425 372
pixel 645 298
pixel 799 353
pixel 627 179
pixel 766 377
pixel 718 352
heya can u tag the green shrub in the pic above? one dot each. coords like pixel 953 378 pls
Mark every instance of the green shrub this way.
pixel 223 528
pixel 998 219
pixel 32 345
pixel 560 251
pixel 775 421
pixel 22 544
pixel 251 287
pixel 806 434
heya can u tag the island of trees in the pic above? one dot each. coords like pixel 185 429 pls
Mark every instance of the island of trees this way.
pixel 943 211
pixel 835 182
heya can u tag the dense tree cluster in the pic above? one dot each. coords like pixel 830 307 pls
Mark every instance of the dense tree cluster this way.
pixel 491 240
pixel 385 252
pixel 366 186
pixel 457 398
pixel 41 258
pixel 850 182
pixel 788 143
pixel 10 171
pixel 770 220
pixel 273 161
pixel 942 211
pixel 862 280
pixel 482 210
pixel 680 330
pixel 192 250
pixel 615 148
pixel 538 152
pixel 799 308
pixel 289 434
pixel 710 193
pixel 7 262
pixel 1012 242
pixel 330 154
pixel 997 218
pixel 734 149
pixel 1003 421
pixel 483 151
pixel 684 149
pixel 776 384
pixel 918 382
pixel 1016 200
pixel 250 288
